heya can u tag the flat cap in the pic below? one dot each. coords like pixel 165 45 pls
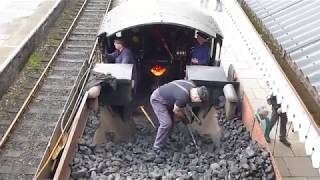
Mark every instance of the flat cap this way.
pixel 119 41
pixel 203 93
pixel 203 35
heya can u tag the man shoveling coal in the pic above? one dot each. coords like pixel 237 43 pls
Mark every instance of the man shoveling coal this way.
pixel 172 98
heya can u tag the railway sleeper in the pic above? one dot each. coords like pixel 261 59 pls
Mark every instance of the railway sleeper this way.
pixel 40 117
pixel 59 77
pixel 22 168
pixel 81 56
pixel 30 149
pixel 81 49
pixel 92 18
pixel 88 24
pixel 45 109
pixel 74 63
pixel 92 7
pixel 5 120
pixel 82 37
pixel 80 46
pixel 84 27
pixel 94 11
pixel 65 71
pixel 85 32
pixel 59 82
pixel 92 14
pixel 37 110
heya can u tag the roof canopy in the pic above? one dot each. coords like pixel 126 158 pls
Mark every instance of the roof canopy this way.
pixel 135 13
pixel 295 25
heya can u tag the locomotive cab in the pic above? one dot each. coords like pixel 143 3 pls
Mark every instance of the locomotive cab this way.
pixel 161 38
pixel 161 52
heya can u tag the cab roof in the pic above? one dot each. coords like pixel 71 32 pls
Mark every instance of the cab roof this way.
pixel 135 13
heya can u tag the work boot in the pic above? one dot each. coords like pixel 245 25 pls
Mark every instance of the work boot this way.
pixel 267 139
pixel 285 142
pixel 157 150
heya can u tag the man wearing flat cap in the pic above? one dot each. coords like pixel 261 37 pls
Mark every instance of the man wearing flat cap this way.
pixel 122 54
pixel 201 53
pixel 172 98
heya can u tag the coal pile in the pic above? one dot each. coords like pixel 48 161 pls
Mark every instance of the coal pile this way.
pixel 238 157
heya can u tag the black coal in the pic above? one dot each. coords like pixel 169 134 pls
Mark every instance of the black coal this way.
pixel 239 157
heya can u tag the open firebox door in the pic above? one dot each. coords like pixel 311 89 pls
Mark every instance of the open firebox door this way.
pixel 114 123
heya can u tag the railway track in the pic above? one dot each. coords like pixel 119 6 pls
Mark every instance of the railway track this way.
pixel 23 147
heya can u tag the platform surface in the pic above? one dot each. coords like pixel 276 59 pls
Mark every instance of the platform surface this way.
pixel 293 163
pixel 18 20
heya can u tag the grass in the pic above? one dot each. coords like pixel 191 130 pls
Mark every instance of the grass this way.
pixel 34 61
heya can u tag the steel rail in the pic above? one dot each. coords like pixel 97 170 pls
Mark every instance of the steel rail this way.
pixel 76 86
pixel 65 128
pixel 37 85
pixel 82 83
pixel 90 62
pixel 85 75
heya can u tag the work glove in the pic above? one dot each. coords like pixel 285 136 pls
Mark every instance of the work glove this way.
pixel 188 118
pixel 181 117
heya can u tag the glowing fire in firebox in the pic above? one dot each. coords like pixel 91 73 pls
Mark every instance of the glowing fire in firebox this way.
pixel 158 70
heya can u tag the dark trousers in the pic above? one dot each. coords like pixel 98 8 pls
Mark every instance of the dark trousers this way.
pixel 160 108
pixel 283 122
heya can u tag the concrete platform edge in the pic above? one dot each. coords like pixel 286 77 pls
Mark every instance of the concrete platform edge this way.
pixel 15 62
pixel 248 118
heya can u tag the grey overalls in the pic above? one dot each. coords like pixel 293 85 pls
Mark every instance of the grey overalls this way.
pixel 160 107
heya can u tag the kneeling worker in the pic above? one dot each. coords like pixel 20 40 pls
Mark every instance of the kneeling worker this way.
pixel 172 97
